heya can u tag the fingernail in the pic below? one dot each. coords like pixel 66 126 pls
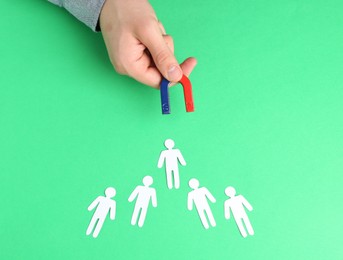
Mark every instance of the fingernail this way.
pixel 174 73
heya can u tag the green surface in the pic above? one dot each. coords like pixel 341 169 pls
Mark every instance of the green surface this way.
pixel 269 121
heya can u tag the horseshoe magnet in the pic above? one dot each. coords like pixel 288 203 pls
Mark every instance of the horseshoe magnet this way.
pixel 187 92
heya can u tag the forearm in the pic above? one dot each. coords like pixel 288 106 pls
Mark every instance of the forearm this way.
pixel 87 11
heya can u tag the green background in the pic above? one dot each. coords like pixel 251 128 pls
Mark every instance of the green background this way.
pixel 269 121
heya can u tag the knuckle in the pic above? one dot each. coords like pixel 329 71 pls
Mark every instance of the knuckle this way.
pixel 146 27
pixel 120 70
pixel 118 66
pixel 162 57
pixel 169 39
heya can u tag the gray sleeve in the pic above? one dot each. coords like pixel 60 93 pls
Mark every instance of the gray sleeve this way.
pixel 87 11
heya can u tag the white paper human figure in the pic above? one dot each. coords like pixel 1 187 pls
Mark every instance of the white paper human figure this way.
pixel 199 196
pixel 143 194
pixel 237 204
pixel 104 205
pixel 171 157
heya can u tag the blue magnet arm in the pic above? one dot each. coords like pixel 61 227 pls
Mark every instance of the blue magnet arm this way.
pixel 165 96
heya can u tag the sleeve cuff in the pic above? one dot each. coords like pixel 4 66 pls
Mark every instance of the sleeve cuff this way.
pixel 87 11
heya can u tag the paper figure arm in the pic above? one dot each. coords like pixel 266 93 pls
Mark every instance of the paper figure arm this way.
pixel 154 199
pixel 246 203
pixel 209 195
pixel 94 203
pixel 190 202
pixel 161 160
pixel 180 158
pixel 134 194
pixel 113 211
pixel 227 209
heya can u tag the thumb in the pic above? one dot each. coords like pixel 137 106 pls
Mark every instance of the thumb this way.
pixel 163 57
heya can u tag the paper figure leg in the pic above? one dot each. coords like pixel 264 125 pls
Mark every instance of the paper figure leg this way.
pixel 203 219
pixel 248 225
pixel 176 179
pixel 135 215
pixel 98 227
pixel 169 179
pixel 241 227
pixel 91 225
pixel 210 217
pixel 142 217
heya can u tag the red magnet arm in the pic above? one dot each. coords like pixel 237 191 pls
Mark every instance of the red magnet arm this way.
pixel 187 92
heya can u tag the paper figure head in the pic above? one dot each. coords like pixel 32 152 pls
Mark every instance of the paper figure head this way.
pixel 148 180
pixel 169 143
pixel 110 192
pixel 193 183
pixel 230 191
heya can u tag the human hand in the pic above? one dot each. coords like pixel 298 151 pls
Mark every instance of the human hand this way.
pixel 137 43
